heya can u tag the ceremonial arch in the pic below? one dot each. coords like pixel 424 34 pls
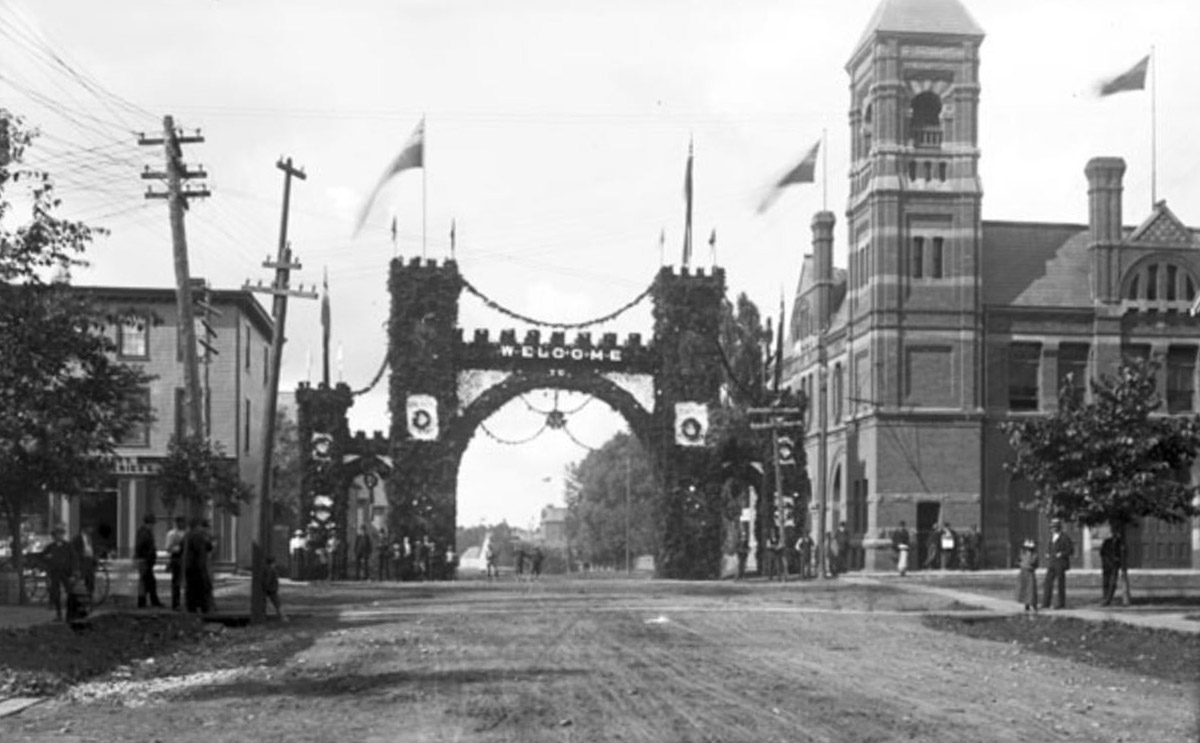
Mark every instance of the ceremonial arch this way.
pixel 443 386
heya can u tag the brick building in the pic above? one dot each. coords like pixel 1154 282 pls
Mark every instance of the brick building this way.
pixel 944 324
pixel 235 382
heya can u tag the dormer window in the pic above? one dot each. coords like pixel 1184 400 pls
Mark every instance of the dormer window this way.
pixel 926 122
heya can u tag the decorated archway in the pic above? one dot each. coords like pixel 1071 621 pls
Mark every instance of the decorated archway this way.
pixel 442 387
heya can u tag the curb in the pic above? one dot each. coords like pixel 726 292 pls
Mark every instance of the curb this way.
pixel 9 707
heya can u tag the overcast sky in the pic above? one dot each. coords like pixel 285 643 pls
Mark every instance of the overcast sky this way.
pixel 557 134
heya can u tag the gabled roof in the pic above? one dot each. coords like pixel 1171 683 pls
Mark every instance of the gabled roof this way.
pixel 837 298
pixel 840 308
pixel 1162 227
pixel 947 17
pixel 1035 264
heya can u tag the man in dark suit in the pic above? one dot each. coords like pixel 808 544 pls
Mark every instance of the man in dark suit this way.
pixel 145 551
pixel 362 554
pixel 843 548
pixel 1112 561
pixel 58 560
pixel 1059 560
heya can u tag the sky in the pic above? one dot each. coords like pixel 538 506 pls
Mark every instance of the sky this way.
pixel 557 134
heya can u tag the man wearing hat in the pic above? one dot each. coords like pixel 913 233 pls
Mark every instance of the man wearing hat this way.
pixel 1059 553
pixel 57 558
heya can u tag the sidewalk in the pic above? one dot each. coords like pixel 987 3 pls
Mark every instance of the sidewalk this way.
pixel 13 616
pixel 1166 617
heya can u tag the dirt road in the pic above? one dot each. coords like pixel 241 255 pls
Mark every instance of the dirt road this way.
pixel 613 660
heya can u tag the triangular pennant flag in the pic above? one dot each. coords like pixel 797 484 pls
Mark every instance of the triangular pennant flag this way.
pixel 804 172
pixel 1132 79
pixel 412 156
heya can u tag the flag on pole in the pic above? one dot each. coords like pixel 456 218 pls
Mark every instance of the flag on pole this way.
pixel 325 328
pixel 804 172
pixel 779 346
pixel 662 245
pixel 687 194
pixel 1132 79
pixel 452 226
pixel 712 245
pixel 412 156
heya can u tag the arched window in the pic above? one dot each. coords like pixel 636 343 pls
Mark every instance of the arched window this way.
pixel 838 392
pixel 926 119
pixel 1160 281
pixel 868 129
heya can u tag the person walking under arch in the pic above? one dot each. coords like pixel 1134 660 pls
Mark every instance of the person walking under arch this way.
pixel 362 554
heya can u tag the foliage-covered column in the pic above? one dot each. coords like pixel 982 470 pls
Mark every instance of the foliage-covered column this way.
pixel 687 322
pixel 324 435
pixel 423 337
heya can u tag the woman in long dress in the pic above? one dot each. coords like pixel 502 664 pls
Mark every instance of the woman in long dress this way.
pixel 1027 565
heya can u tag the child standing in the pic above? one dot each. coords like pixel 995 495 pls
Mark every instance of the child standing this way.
pixel 271 587
pixel 1027 576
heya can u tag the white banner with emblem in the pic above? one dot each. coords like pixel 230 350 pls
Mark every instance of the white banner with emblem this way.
pixel 691 423
pixel 422 417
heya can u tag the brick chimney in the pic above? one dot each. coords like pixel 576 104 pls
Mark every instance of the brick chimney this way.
pixel 1104 176
pixel 822 227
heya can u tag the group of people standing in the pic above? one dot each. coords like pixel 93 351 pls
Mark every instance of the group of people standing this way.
pixel 802 558
pixel 1058 561
pixel 378 557
pixel 529 561
pixel 189 547
pixel 71 567
pixel 945 549
pixel 71 572
pixel 371 555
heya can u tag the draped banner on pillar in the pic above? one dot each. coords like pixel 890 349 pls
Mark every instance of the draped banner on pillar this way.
pixel 422 417
pixel 691 423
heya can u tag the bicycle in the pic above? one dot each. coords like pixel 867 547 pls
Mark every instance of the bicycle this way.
pixel 33 573
pixel 100 587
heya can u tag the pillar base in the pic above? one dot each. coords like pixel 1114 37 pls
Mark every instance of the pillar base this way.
pixel 878 555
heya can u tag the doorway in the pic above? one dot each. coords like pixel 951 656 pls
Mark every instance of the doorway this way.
pixel 98 509
pixel 928 515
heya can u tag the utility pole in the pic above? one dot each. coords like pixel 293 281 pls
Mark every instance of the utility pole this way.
pixel 177 196
pixel 775 420
pixel 283 266
pixel 207 342
pixel 628 467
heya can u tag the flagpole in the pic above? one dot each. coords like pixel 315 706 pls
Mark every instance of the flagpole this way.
pixel 824 172
pixel 1153 129
pixel 424 204
pixel 687 226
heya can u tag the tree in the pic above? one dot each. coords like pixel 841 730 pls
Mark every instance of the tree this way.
pixel 64 401
pixel 744 455
pixel 598 508
pixel 1113 460
pixel 286 471
pixel 197 472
